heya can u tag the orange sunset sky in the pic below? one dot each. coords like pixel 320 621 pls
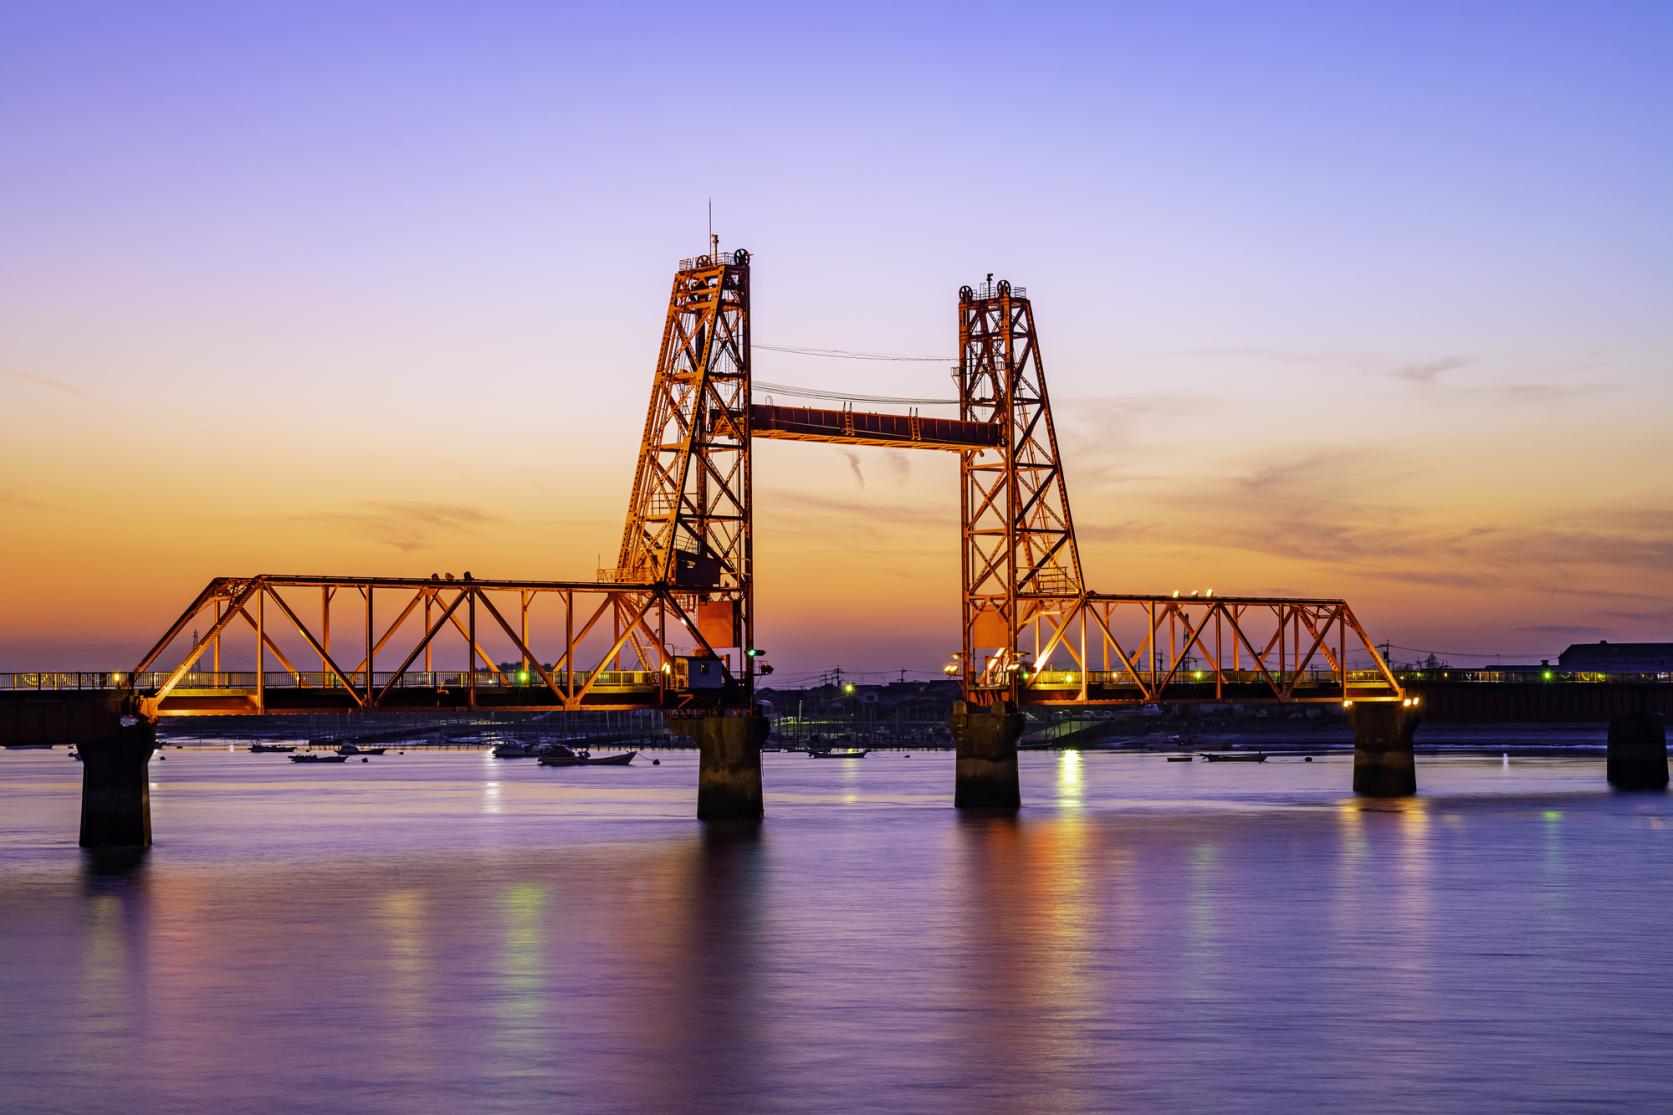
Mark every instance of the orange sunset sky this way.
pixel 387 301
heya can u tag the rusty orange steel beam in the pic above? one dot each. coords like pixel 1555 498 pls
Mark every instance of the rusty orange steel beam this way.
pixel 852 427
pixel 582 677
pixel 1200 669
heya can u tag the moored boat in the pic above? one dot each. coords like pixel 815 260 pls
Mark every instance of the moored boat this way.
pixel 1237 757
pixel 315 757
pixel 560 755
pixel 516 751
pixel 840 753
pixel 351 749
pixel 272 748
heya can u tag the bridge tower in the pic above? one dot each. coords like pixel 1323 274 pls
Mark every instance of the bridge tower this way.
pixel 688 514
pixel 1021 566
pixel 1020 562
pixel 689 520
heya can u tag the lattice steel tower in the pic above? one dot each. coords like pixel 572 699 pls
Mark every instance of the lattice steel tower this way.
pixel 1020 560
pixel 688 517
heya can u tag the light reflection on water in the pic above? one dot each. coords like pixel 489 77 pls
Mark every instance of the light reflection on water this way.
pixel 445 932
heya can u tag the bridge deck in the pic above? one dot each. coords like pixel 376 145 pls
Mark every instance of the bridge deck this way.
pixel 286 693
pixel 851 427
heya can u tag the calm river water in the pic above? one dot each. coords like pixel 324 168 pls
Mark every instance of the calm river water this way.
pixel 448 932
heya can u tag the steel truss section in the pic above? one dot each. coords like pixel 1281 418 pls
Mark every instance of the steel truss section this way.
pixel 397 624
pixel 1019 555
pixel 689 517
pixel 1108 649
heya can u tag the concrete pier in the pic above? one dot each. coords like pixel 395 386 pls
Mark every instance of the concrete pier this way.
pixel 728 763
pixel 116 787
pixel 1638 751
pixel 1383 762
pixel 986 745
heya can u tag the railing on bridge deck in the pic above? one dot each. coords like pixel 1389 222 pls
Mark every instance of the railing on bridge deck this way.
pixel 1200 686
pixel 1529 675
pixel 239 680
pixel 235 692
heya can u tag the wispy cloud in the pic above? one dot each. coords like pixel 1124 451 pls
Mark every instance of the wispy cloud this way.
pixel 1248 352
pixel 855 520
pixel 59 386
pixel 1546 392
pixel 404 525
pixel 1564 630
pixel 1429 375
pixel 1430 371
pixel 1102 438
pixel 1351 510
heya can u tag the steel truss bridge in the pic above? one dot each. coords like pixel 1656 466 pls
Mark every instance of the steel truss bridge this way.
pixel 671 625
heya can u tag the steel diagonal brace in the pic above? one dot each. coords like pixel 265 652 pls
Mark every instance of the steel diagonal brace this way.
pixel 633 624
pixel 1382 666
pixel 237 605
pixel 517 641
pixel 1185 651
pixel 989 495
pixel 1149 630
pixel 684 619
pixel 1132 670
pixel 1322 633
pixel 1035 568
pixel 1058 632
pixel 567 661
pixel 990 563
pixel 211 591
pixel 430 634
pixel 475 646
pixel 267 641
pixel 1237 633
pixel 389 632
pixel 1301 663
pixel 315 646
pixel 641 651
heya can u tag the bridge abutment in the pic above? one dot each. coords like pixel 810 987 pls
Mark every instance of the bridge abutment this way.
pixel 1638 751
pixel 1383 763
pixel 116 787
pixel 985 740
pixel 728 763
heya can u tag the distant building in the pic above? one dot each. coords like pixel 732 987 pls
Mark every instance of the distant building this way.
pixel 1617 658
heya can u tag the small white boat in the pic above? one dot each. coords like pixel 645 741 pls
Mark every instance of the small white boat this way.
pixel 561 756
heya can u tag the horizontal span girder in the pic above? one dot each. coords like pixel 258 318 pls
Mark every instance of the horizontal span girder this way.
pixel 296 580
pixel 305 701
pixel 857 427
